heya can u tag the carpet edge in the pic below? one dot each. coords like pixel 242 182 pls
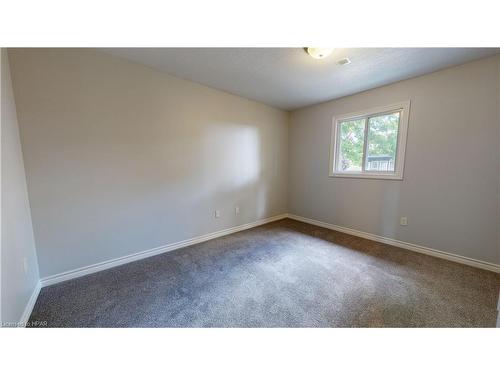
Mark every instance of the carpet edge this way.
pixel 104 265
pixel 401 244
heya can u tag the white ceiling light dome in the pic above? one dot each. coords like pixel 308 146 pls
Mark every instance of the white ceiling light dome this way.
pixel 319 53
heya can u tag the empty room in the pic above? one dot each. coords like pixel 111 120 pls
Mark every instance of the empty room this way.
pixel 173 187
pixel 190 194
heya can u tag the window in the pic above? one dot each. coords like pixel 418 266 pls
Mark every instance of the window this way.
pixel 371 143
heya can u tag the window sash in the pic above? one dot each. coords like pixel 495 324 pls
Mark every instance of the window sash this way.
pixel 365 154
pixel 339 143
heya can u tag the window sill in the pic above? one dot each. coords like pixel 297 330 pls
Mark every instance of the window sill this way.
pixel 368 175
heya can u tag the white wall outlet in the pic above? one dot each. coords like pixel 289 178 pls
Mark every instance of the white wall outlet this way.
pixel 217 213
pixel 25 266
pixel 403 221
pixel 236 210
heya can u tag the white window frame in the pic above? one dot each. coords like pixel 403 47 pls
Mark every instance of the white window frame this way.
pixel 404 108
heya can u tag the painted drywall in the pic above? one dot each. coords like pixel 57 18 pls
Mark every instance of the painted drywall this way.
pixel 18 245
pixel 450 190
pixel 289 78
pixel 121 158
pixel 498 186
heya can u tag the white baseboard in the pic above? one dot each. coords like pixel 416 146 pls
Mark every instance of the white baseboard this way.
pixel 68 275
pixel 29 306
pixel 405 245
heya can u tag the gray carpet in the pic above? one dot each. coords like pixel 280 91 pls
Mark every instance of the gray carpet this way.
pixel 283 274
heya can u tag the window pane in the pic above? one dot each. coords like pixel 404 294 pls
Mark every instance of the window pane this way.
pixel 351 140
pixel 382 142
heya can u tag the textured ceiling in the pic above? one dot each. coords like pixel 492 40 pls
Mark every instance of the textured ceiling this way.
pixel 288 78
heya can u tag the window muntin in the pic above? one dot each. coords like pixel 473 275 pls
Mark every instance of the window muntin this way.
pixel 370 144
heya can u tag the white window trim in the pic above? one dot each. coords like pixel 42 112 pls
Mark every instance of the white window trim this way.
pixel 404 107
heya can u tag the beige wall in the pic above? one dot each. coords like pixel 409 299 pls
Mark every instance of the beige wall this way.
pixel 121 158
pixel 450 191
pixel 17 244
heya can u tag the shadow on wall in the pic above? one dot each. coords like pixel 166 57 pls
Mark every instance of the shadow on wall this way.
pixel 234 172
pixel 389 210
pixel 216 166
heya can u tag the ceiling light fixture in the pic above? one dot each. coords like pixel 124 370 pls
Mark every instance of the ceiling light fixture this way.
pixel 319 53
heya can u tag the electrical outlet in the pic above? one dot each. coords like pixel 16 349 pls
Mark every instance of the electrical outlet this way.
pixel 237 210
pixel 217 213
pixel 403 221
